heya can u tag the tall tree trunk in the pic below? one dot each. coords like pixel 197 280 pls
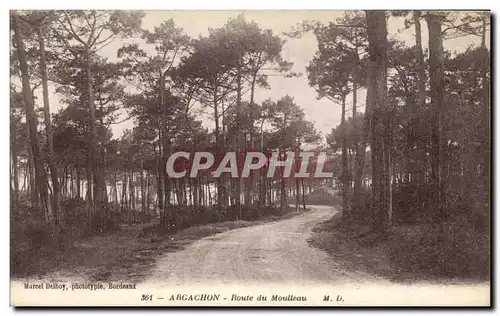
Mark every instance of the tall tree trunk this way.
pixel 56 194
pixel 78 180
pixel 195 192
pixel 32 188
pixel 239 143
pixel 89 196
pixel 97 176
pixel 303 193
pixel 297 180
pixel 377 102
pixel 359 144
pixel 249 182
pixel 262 184
pixel 169 210
pixel 388 163
pixel 143 188
pixel 252 96
pixel 218 154
pixel 31 119
pixel 160 182
pixel 283 194
pixel 123 195
pixel 148 196
pixel 344 176
pixel 486 137
pixel 421 94
pixel 133 195
pixel 297 194
pixel 271 193
pixel 162 204
pixel 115 185
pixel 15 171
pixel 436 75
pixel 130 198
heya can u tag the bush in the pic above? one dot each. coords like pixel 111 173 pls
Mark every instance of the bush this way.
pixel 461 249
pixel 412 203
pixel 30 238
pixel 34 242
pixel 322 196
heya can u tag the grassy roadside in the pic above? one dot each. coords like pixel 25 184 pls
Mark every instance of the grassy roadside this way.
pixel 340 242
pixel 346 249
pixel 408 253
pixel 127 254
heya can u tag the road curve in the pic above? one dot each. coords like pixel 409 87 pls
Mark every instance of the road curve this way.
pixel 276 252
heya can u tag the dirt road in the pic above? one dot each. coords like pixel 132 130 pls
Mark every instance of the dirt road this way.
pixel 273 252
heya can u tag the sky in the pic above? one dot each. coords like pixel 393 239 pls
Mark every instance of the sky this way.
pixel 323 113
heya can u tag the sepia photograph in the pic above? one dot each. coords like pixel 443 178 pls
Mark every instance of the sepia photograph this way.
pixel 265 158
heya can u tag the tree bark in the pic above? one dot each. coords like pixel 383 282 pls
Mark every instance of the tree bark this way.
pixel 78 180
pixel 344 176
pixel 218 154
pixel 15 171
pixel 283 194
pixel 239 144
pixel 56 194
pixel 32 187
pixel 161 189
pixel 303 194
pixel 486 137
pixel 377 100
pixel 359 144
pixel 436 75
pixel 421 94
pixel 32 122
pixel 97 175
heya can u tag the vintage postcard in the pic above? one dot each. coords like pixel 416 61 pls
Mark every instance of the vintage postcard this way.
pixel 250 158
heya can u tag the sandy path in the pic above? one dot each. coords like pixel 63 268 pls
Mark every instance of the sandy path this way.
pixel 268 253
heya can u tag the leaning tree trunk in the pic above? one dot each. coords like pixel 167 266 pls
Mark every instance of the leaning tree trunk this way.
pixel 15 171
pixel 32 121
pixel 32 187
